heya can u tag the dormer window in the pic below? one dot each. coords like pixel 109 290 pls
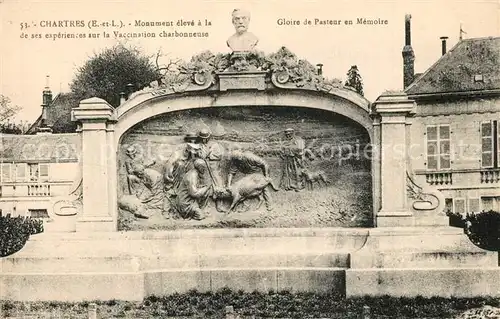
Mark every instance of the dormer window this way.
pixel 478 78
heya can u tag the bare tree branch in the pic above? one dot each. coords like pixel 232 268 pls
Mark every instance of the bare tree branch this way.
pixel 7 109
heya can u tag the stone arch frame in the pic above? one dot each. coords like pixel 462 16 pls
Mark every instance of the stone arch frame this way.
pixel 97 116
pixel 141 108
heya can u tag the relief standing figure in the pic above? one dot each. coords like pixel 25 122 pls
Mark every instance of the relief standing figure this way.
pixel 292 155
pixel 181 161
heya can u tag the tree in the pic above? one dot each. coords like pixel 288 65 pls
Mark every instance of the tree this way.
pixel 107 74
pixel 354 79
pixel 7 109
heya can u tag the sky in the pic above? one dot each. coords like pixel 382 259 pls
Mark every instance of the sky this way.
pixel 375 49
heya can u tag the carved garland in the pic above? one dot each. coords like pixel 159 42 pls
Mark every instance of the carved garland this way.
pixel 286 69
pixel 424 198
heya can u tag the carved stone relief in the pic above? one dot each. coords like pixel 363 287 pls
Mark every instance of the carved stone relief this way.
pixel 245 167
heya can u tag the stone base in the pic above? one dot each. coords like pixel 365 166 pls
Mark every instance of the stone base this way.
pixel 353 262
pixel 423 261
pixel 412 220
pixel 425 282
pixel 96 224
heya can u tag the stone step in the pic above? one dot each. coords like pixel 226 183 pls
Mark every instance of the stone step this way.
pixel 424 259
pixel 337 260
pixel 134 264
pixel 134 286
pixel 51 265
pixel 425 282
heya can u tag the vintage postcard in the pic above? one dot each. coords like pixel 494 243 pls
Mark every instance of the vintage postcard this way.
pixel 249 159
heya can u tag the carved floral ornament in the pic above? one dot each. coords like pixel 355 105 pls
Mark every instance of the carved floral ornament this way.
pixel 286 70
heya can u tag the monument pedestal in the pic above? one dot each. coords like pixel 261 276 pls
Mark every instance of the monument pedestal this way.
pixel 96 117
pixel 422 261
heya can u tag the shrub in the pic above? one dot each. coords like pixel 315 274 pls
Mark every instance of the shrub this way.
pixel 483 229
pixel 15 231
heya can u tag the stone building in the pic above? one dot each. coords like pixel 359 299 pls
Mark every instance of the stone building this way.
pixel 42 164
pixel 456 125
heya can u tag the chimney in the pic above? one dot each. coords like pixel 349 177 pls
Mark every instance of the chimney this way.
pixel 46 101
pixel 123 97
pixel 408 55
pixel 320 68
pixel 47 93
pixel 443 45
pixel 130 89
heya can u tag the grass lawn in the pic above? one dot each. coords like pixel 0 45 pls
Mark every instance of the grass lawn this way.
pixel 254 305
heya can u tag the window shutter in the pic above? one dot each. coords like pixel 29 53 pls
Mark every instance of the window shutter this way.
pixel 44 172
pixel 498 143
pixel 432 148
pixel 486 144
pixel 6 172
pixel 21 171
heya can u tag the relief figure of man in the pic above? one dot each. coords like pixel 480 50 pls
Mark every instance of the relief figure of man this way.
pixel 211 152
pixel 192 196
pixel 181 161
pixel 132 164
pixel 292 156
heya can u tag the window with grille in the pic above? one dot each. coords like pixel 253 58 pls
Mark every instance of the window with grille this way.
pixel 438 147
pixel 490 140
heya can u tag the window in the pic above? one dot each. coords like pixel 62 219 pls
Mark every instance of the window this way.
pixel 6 172
pixel 44 172
pixel 38 171
pixel 438 147
pixel 33 171
pixel 490 140
pixel 474 205
pixel 459 206
pixel 448 205
pixel 490 203
pixel 38 213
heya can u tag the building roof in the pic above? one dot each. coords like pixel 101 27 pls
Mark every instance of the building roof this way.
pixel 58 115
pixel 471 65
pixel 39 148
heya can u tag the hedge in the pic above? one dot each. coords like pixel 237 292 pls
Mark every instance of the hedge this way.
pixel 15 231
pixel 482 228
